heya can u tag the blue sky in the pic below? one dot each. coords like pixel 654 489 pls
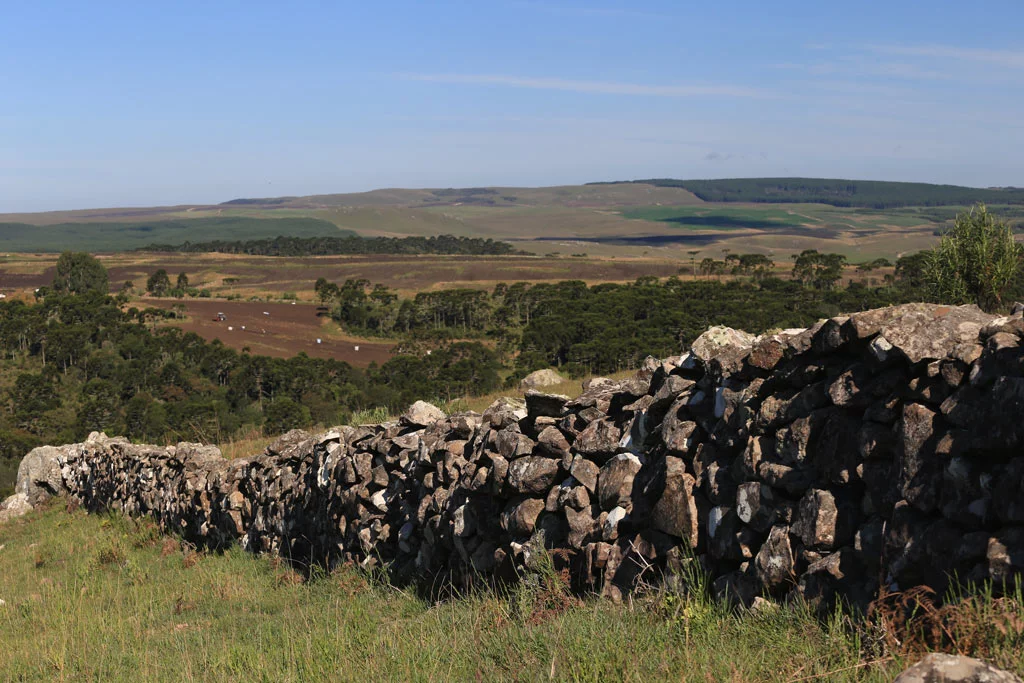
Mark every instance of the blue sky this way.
pixel 141 103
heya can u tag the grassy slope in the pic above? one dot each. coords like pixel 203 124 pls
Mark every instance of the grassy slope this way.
pixel 103 598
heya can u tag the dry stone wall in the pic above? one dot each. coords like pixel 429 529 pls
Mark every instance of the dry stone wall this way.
pixel 881 447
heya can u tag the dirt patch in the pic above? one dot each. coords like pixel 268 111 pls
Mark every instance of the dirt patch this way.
pixel 278 330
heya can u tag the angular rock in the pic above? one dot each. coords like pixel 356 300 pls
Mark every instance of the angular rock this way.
pixel 421 414
pixel 520 516
pixel 540 379
pixel 585 472
pixel 532 474
pixel 545 405
pixel 816 520
pixel 599 441
pixel 677 511
pixel 929 331
pixel 615 483
pixel 774 562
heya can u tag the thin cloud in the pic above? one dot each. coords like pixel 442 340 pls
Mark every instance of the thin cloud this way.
pixel 611 12
pixel 592 87
pixel 1013 59
pixel 859 68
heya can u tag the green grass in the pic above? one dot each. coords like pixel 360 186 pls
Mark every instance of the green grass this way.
pixel 105 598
pixel 124 236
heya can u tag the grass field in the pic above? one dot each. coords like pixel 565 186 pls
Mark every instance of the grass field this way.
pixel 105 598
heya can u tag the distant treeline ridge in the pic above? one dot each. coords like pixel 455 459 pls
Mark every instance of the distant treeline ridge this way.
pixel 326 246
pixel 874 194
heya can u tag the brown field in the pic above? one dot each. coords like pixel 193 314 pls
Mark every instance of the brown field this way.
pixel 288 330
pixel 294 328
pixel 270 277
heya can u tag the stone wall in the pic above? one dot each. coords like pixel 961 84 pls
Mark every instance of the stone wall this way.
pixel 885 446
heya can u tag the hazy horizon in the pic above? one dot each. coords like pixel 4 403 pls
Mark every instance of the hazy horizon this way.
pixel 116 104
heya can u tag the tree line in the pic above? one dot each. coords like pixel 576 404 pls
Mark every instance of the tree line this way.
pixel 329 246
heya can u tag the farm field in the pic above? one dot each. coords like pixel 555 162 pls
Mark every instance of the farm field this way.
pixel 610 220
pixel 273 329
pixel 270 276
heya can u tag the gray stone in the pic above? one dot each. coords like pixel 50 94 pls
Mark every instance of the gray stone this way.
pixel 615 483
pixel 540 379
pixel 14 506
pixel 599 441
pixel 943 668
pixel 39 475
pixel 532 474
pixel 421 414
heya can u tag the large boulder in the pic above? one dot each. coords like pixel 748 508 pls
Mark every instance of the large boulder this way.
pixel 39 476
pixel 421 414
pixel 942 668
pixel 923 331
pixel 725 345
pixel 540 379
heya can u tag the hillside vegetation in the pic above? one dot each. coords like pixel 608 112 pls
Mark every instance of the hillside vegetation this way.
pixel 853 193
pixel 124 236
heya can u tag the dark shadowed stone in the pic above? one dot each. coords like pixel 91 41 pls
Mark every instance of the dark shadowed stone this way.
pixel 774 562
pixel 520 515
pixel 549 405
pixel 755 505
pixel 532 474
pixel 766 353
pixel 918 465
pixel 677 511
pixel 615 483
pixel 816 519
pixel 553 442
pixel 583 527
pixel 599 441
pixel 511 444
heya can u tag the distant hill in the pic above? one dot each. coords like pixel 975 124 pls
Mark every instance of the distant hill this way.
pixel 873 194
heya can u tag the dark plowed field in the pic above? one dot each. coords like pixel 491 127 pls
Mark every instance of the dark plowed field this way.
pixel 286 331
